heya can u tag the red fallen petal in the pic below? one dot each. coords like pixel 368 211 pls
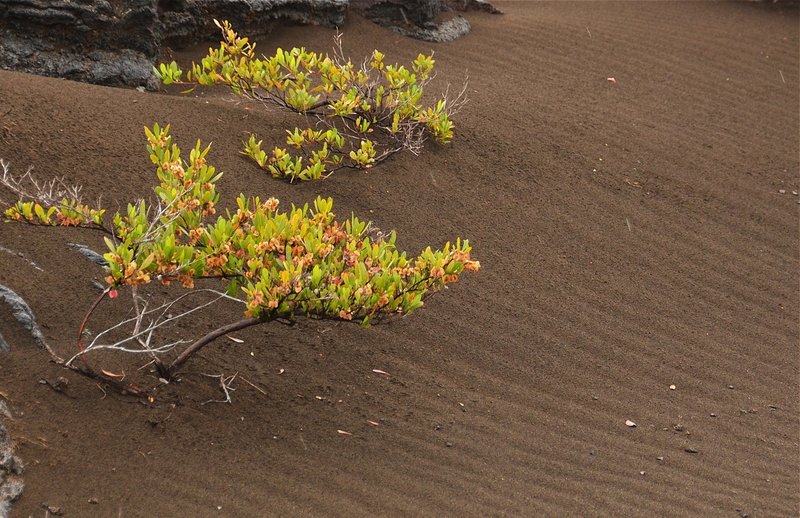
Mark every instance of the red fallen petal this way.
pixel 113 294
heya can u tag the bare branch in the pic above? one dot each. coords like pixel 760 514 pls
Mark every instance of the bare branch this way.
pixel 46 193
pixel 143 335
pixel 225 385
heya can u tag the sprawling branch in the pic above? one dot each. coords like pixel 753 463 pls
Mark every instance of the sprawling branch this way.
pixel 190 351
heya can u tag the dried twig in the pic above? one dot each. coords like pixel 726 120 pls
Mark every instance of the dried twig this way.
pixel 254 386
pixel 225 385
pixel 46 193
pixel 143 333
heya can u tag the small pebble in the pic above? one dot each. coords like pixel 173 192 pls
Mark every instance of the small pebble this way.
pixel 794 192
pixel 672 387
pixel 774 407
pixel 679 428
pixel 730 387
pixel 92 500
pixel 782 191
pixel 52 509
pixel 713 415
pixel 690 450
pixel 660 459
pixel 449 444
pixel 630 423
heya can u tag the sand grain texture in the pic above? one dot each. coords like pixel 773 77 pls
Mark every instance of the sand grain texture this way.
pixel 632 237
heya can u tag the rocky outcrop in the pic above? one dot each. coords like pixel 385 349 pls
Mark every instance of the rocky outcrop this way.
pixel 183 22
pixel 429 20
pixel 23 314
pixel 11 467
pixel 116 42
pixel 98 41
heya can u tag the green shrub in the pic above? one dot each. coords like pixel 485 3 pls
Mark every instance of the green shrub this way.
pixel 367 112
pixel 279 265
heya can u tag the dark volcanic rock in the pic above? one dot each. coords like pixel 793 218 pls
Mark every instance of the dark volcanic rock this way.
pixel 88 40
pixel 422 19
pixel 187 21
pixel 411 12
pixel 116 42
pixel 11 467
pixel 22 312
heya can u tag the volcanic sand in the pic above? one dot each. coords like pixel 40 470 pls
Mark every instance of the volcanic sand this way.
pixel 633 235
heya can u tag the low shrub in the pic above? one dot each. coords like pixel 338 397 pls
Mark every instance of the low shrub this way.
pixel 280 265
pixel 364 113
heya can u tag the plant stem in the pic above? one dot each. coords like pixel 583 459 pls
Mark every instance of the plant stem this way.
pixel 187 353
pixel 82 327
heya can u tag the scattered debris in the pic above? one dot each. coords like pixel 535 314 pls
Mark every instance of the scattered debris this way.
pixel 59 385
pixel 225 386
pixel 672 387
pixel 343 432
pixel 378 371
pixel 612 80
pixel 235 340
pixel 373 423
pixel 52 509
pixel 253 385
pixel 630 424
pixel 691 450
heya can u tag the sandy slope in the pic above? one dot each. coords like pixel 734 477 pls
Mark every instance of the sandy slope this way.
pixel 632 236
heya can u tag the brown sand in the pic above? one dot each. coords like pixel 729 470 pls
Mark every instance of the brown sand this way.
pixel 632 236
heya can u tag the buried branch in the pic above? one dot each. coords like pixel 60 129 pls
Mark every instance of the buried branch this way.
pixel 168 372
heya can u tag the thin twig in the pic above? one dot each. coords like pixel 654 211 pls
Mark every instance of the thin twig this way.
pixel 225 385
pixel 252 385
